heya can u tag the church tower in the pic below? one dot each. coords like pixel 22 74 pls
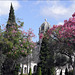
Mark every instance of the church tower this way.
pixel 45 26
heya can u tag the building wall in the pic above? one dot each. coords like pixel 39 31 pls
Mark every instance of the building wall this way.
pixel 31 65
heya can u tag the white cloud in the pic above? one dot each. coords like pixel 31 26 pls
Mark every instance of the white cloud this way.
pixel 60 23
pixel 58 10
pixel 5 6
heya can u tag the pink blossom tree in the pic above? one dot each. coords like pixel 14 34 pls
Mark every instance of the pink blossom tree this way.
pixel 14 42
pixel 17 42
pixel 65 34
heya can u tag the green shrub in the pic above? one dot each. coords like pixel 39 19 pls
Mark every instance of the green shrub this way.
pixel 16 69
pixel 61 72
pixel 66 72
pixel 21 71
pixel 39 71
pixel 70 72
pixel 30 72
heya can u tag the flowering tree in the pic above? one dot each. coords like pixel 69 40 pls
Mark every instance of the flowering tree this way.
pixel 14 42
pixel 65 34
pixel 17 42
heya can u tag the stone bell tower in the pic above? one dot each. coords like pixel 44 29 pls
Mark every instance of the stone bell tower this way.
pixel 44 26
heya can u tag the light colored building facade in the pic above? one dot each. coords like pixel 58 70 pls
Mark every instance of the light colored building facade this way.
pixel 32 60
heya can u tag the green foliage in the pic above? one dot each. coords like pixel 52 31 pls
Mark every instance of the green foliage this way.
pixel 39 71
pixel 70 72
pixel 13 41
pixel 11 14
pixel 30 72
pixel 66 71
pixel 21 71
pixel 16 69
pixel 52 71
pixel 61 72
pixel 46 57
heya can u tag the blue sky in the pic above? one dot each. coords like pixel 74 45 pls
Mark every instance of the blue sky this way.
pixel 34 12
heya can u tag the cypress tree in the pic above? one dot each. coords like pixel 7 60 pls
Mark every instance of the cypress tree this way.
pixel 39 71
pixel 22 70
pixel 66 72
pixel 43 56
pixel 46 57
pixel 61 72
pixel 11 19
pixel 30 72
pixel 11 14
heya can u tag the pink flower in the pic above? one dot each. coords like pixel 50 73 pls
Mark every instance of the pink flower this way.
pixel 22 51
pixel 35 46
pixel 21 45
pixel 4 28
pixel 28 47
pixel 14 31
pixel 2 24
pixel 23 41
pixel 9 52
pixel 8 36
pixel 31 46
pixel 65 21
pixel 41 35
pixel 23 32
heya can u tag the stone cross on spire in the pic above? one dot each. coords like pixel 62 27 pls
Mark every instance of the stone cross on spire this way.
pixel 45 19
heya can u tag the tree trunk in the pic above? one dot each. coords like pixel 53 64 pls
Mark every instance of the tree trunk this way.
pixel 2 58
pixel 74 66
pixel 8 67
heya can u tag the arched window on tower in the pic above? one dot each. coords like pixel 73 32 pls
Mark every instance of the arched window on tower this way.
pixel 42 27
pixel 35 68
pixel 25 70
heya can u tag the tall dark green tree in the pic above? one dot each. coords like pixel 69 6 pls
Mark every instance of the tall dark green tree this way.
pixel 11 14
pixel 11 20
pixel 45 55
pixel 30 73
pixel 8 64
pixel 61 72
pixel 22 70
pixel 39 71
pixel 66 71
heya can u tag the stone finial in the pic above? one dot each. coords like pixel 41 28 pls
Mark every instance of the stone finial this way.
pixel 45 19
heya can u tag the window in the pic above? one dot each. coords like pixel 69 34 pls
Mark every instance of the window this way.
pixel 42 28
pixel 35 68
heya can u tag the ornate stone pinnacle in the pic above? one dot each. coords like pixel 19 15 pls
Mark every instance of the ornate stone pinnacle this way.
pixel 45 19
